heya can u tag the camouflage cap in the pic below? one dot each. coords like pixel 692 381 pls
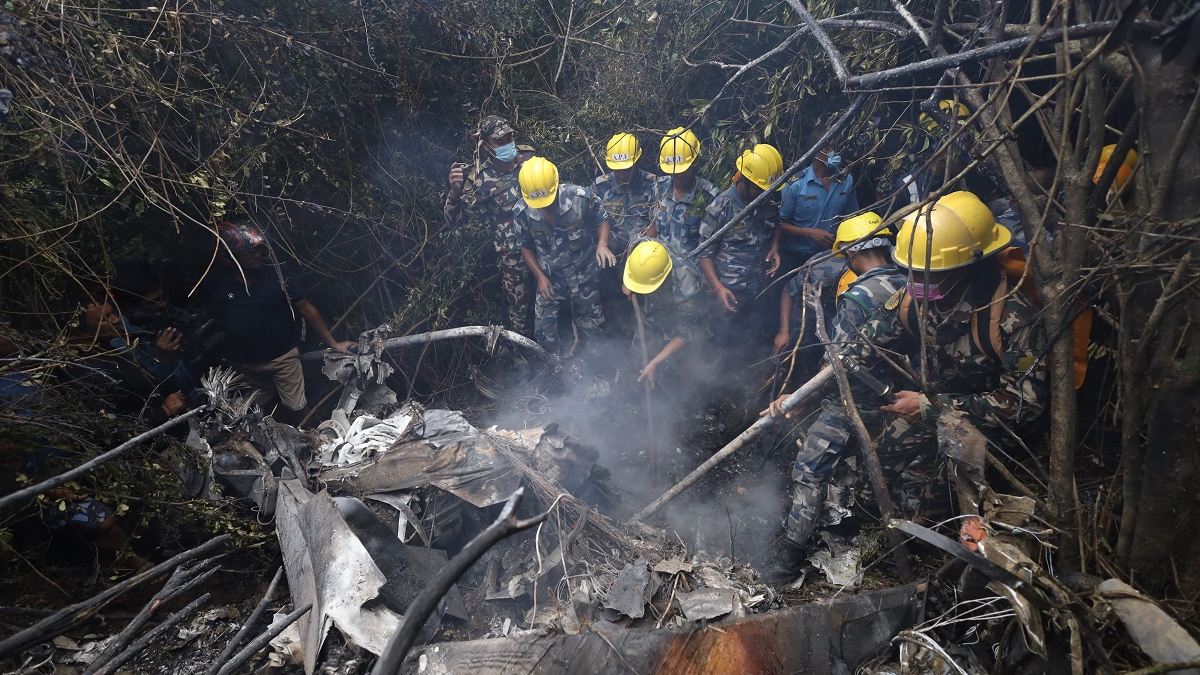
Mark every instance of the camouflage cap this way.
pixel 494 128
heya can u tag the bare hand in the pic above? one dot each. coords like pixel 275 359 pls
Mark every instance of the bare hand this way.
pixel 906 405
pixel 168 340
pixel 343 347
pixel 782 340
pixel 818 236
pixel 544 288
pixel 457 177
pixel 605 257
pixel 174 404
pixel 648 373
pixel 628 293
pixel 727 299
pixel 773 262
pixel 776 408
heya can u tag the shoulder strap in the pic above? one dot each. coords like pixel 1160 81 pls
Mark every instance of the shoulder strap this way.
pixel 991 343
pixel 908 313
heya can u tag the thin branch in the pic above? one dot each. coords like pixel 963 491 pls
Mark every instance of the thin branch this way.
pixel 426 601
pixel 32 491
pixel 835 57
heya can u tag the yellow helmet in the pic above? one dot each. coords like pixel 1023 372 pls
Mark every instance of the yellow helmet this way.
pixel 947 107
pixel 774 159
pixel 677 150
pixel 539 182
pixel 622 151
pixel 647 267
pixel 853 229
pixel 963 232
pixel 848 277
pixel 755 168
pixel 1123 173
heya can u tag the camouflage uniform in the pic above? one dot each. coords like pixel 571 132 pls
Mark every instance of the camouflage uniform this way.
pixel 678 220
pixel 676 308
pixel 628 210
pixel 1010 389
pixel 829 435
pixel 490 193
pixel 740 254
pixel 566 253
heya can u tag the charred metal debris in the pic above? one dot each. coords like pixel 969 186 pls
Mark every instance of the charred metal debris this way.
pixel 401 525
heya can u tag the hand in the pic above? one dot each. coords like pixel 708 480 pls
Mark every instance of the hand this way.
pixel 782 340
pixel 174 404
pixel 727 299
pixel 818 236
pixel 906 405
pixel 457 177
pixel 648 373
pixel 604 257
pixel 628 293
pixel 168 341
pixel 343 347
pixel 544 288
pixel 776 408
pixel 773 262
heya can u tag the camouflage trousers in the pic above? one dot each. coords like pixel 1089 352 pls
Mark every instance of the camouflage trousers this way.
pixel 517 282
pixel 578 287
pixel 897 444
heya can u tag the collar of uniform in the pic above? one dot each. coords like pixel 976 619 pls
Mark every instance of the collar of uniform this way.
pixel 564 204
pixel 690 195
pixel 810 176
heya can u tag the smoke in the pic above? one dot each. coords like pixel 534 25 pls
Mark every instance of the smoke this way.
pixel 698 405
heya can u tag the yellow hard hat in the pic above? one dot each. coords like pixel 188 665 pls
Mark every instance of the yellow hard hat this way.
pixel 948 109
pixel 647 267
pixel 963 232
pixel 1123 173
pixel 853 229
pixel 622 151
pixel 755 168
pixel 539 182
pixel 677 150
pixel 774 159
pixel 848 277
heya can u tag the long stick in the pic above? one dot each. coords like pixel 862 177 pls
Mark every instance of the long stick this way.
pixel 227 653
pixel 447 334
pixel 865 447
pixel 1006 48
pixel 67 618
pixel 426 601
pixel 20 496
pixel 641 333
pixel 808 389
pixel 261 641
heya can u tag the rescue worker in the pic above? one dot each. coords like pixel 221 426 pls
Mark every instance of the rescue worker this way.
pixel 670 285
pixel 984 341
pixel 876 280
pixel 490 191
pixel 555 227
pixel 736 265
pixel 922 180
pixel 256 304
pixel 813 205
pixel 628 196
pixel 677 218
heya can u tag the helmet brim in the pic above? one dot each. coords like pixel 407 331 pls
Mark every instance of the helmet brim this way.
pixel 624 164
pixel 1003 239
pixel 645 289
pixel 543 202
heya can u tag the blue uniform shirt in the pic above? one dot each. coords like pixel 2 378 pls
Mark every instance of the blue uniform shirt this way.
pixel 806 203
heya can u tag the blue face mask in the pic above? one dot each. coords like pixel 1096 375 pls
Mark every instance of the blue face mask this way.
pixel 506 153
pixel 833 161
